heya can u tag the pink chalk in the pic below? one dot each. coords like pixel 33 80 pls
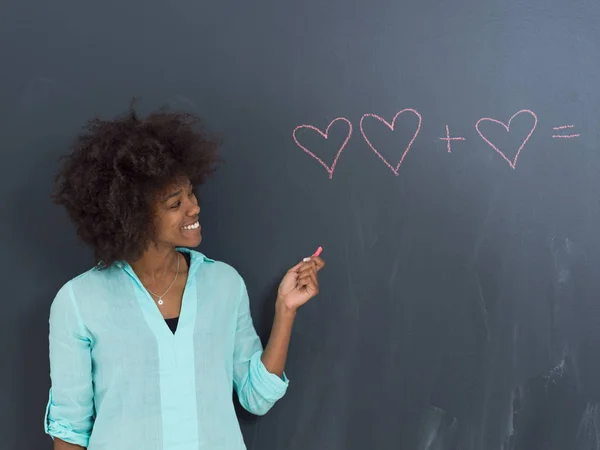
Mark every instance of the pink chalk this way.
pixel 318 252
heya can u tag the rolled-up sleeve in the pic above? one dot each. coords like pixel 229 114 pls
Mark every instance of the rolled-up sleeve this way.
pixel 257 388
pixel 70 410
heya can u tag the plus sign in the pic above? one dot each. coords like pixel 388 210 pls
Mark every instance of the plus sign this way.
pixel 448 139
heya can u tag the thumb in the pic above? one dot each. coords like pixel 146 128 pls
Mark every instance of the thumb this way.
pixel 296 267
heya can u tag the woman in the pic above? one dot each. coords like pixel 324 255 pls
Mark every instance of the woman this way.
pixel 147 347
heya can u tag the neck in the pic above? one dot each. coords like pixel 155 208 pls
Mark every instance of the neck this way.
pixel 155 263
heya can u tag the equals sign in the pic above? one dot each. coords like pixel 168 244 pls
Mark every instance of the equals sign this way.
pixel 564 136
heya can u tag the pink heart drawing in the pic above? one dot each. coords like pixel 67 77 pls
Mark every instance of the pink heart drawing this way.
pixel 391 127
pixel 326 136
pixel 512 163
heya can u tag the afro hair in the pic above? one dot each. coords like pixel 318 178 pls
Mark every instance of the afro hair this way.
pixel 115 170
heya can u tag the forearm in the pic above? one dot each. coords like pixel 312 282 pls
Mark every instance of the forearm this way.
pixel 275 353
pixel 62 445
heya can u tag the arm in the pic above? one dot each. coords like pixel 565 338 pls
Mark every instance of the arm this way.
pixel 298 286
pixel 70 409
pixel 258 389
pixel 275 353
pixel 259 377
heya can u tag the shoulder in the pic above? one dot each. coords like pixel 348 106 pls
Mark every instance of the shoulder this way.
pixel 65 313
pixel 214 271
pixel 91 282
pixel 97 280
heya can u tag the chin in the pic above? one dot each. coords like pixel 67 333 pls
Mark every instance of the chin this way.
pixel 190 242
pixel 189 238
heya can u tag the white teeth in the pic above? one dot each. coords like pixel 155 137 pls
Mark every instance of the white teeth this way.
pixel 192 226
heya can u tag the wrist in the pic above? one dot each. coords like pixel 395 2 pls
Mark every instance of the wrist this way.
pixel 283 310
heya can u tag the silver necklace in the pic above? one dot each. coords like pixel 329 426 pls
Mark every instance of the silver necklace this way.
pixel 160 300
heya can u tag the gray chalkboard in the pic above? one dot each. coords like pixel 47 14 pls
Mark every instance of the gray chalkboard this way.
pixel 459 308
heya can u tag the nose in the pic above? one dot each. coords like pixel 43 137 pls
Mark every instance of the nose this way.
pixel 194 209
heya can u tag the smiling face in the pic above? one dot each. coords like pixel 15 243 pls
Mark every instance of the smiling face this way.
pixel 177 213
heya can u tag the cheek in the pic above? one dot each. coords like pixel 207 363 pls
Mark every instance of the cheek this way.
pixel 165 224
pixel 174 223
pixel 168 223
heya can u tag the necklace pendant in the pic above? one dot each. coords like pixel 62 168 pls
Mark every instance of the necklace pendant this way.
pixel 160 301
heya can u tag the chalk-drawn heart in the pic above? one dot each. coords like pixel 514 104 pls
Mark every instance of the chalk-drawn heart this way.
pixel 391 127
pixel 512 163
pixel 326 136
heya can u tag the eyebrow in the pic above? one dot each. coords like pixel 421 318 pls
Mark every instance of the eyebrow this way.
pixel 175 194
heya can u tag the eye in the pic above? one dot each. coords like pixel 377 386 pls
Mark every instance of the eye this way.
pixel 175 205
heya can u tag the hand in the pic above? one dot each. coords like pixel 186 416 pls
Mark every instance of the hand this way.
pixel 300 283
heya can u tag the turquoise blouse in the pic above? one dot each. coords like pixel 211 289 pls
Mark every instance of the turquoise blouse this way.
pixel 122 380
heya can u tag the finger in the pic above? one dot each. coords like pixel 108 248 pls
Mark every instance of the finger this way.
pixel 320 263
pixel 304 284
pixel 311 287
pixel 309 278
pixel 316 260
pixel 296 267
pixel 303 280
pixel 307 267
pixel 314 278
